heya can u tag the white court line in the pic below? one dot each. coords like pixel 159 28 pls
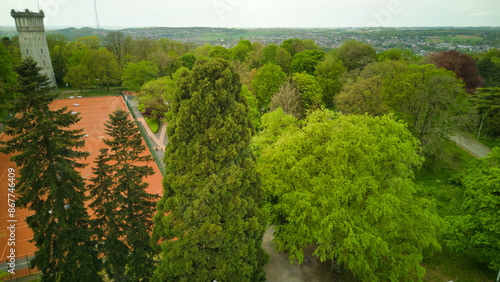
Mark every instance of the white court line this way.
pixel 3 174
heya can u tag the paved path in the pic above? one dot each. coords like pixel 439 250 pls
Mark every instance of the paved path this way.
pixel 471 145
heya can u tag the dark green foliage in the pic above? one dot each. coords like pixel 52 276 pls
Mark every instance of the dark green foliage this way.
pixel 47 153
pixel 7 76
pixel 210 219
pixel 123 209
pixel 306 61
pixel 356 55
pixel 269 54
pixel 188 60
pixel 487 101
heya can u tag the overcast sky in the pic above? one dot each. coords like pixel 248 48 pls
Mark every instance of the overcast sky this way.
pixel 260 13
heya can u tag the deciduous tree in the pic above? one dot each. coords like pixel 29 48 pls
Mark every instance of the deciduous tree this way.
pixel 476 232
pixel 266 83
pixel 135 75
pixel 344 184
pixel 462 65
pixel 289 100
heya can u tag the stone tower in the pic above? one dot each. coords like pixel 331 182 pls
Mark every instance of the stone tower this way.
pixel 32 40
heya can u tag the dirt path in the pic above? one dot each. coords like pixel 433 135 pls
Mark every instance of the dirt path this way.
pixel 471 145
pixel 279 268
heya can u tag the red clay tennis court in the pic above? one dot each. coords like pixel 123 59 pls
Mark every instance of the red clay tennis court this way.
pixel 94 112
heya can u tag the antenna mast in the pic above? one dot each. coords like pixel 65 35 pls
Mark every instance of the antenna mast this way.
pixel 97 18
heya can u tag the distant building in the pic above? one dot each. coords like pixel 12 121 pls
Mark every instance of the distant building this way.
pixel 32 41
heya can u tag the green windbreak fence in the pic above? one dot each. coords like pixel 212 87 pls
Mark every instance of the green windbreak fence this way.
pixel 145 137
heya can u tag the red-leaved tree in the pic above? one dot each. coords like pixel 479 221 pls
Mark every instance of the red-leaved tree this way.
pixel 462 65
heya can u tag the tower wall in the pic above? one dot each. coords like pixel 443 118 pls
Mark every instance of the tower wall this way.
pixel 32 40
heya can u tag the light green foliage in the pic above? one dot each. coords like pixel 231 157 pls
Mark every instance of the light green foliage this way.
pixel 240 52
pixel 203 51
pixel 154 95
pixel 306 61
pixel 283 59
pixel 273 125
pixel 266 83
pixel 396 55
pixel 49 185
pixel 103 67
pixel 153 124
pixel 210 220
pixel 345 184
pixel 78 76
pixel 188 60
pixel 328 74
pixel 123 209
pixel 135 75
pixel 477 231
pixel 309 90
pixel 219 51
pixel 253 108
pixel 356 55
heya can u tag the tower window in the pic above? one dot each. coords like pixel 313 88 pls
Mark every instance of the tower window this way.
pixel 27 52
pixel 41 50
pixel 44 63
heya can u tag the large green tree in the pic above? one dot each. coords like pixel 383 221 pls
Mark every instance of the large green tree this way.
pixel 135 75
pixel 123 209
pixel 48 155
pixel 344 184
pixel 329 76
pixel 103 67
pixel 306 61
pixel 266 83
pixel 356 55
pixel 477 231
pixel 210 218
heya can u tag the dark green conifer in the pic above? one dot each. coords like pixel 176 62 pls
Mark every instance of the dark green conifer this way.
pixel 123 209
pixel 47 153
pixel 210 219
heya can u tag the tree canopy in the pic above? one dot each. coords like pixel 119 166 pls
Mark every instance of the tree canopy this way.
pixel 477 231
pixel 266 83
pixel 210 219
pixel 48 155
pixel 344 183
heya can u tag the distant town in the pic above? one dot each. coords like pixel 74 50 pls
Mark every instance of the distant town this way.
pixel 420 40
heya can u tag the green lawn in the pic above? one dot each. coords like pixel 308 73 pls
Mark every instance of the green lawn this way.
pixel 153 124
pixel 438 185
pixel 489 142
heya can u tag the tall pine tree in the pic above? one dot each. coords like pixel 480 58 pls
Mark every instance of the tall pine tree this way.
pixel 210 219
pixel 123 209
pixel 47 153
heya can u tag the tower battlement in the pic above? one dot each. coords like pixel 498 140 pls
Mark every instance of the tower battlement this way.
pixel 28 21
pixel 32 40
